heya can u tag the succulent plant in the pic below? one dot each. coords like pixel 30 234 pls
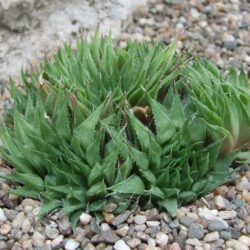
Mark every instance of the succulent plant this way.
pixel 223 103
pixel 100 124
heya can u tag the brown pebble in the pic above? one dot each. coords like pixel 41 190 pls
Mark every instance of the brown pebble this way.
pixel 108 217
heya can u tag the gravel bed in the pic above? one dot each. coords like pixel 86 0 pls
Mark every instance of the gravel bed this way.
pixel 218 30
pixel 220 220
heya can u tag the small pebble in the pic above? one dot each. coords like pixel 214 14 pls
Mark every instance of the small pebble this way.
pixel 161 239
pixel 210 237
pixel 122 231
pixel 110 207
pixel 219 202
pixel 121 245
pixel 5 229
pixel 207 213
pixel 153 223
pixel 174 246
pixel 57 241
pixel 3 245
pixel 187 221
pixel 71 244
pixel 246 195
pixel 133 243
pixel 140 219
pixel 226 215
pixel 243 184
pixel 237 245
pixel 89 246
pixel 2 215
pixel 140 228
pixel 217 225
pixel 245 240
pixel 85 219
pixel 174 224
pixel 193 242
pixel 195 231
pixel 105 226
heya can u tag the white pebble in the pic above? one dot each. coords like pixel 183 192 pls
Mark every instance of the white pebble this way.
pixel 105 226
pixel 140 219
pixel 121 245
pixel 243 184
pixel 18 221
pixel 26 226
pixel 226 215
pixel 153 223
pixel 228 37
pixel 28 209
pixel 151 242
pixel 207 214
pixel 71 244
pixel 211 237
pixel 5 229
pixel 57 241
pixel 219 202
pixel 245 240
pixel 28 202
pixel 194 242
pixel 2 215
pixel 236 245
pixel 85 218
pixel 38 238
pixel 206 246
pixel 194 13
pixel 161 239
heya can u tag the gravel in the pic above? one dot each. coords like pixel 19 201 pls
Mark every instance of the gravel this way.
pixel 215 30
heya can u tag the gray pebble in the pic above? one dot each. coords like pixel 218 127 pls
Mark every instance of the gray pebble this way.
pixel 230 45
pixel 217 225
pixel 16 233
pixel 234 233
pixel 105 236
pixel 3 245
pixel 131 230
pixel 84 242
pixel 80 234
pixel 4 238
pixel 239 203
pixel 174 224
pixel 248 228
pixel 44 247
pixel 241 213
pixel 153 214
pixel 154 231
pixel 94 226
pixel 140 219
pixel 195 231
pixel 217 244
pixel 174 2
pixel 51 232
pixel 140 228
pixel 11 214
pixel 187 221
pixel 226 235
pixel 121 218
pixel 142 236
pixel 208 9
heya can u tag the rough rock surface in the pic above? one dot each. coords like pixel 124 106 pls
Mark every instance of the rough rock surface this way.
pixel 32 29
